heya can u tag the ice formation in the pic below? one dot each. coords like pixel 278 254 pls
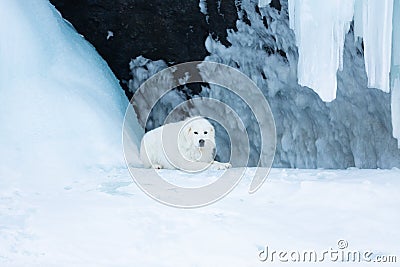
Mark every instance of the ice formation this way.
pixel 375 21
pixel 203 7
pixel 321 57
pixel 263 3
pixel 110 34
pixel 375 18
pixel 62 108
pixel 353 130
pixel 142 69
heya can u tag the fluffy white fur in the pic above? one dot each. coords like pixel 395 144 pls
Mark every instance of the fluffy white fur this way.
pixel 186 145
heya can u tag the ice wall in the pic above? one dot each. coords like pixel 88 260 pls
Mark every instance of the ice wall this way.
pixel 352 130
pixel 61 107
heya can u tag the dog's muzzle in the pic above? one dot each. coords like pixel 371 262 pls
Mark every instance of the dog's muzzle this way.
pixel 201 143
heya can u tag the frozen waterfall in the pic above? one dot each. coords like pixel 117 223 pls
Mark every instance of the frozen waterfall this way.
pixel 320 28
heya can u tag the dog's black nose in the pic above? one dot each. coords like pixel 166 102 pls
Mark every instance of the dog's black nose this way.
pixel 201 142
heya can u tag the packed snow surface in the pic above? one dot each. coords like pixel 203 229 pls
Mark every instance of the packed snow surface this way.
pixel 105 220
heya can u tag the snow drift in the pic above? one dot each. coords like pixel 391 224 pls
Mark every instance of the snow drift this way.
pixel 61 106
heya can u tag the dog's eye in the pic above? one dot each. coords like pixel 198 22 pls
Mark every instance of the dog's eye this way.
pixel 205 132
pixel 196 133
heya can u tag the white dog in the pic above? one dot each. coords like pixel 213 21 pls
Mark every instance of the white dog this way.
pixel 186 145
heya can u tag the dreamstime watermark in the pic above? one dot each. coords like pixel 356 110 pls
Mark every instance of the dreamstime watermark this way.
pixel 341 253
pixel 157 86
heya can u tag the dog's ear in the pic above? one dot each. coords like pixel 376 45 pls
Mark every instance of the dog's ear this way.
pixel 186 131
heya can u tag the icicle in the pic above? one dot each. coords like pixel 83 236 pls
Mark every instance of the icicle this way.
pixel 395 72
pixel 321 57
pixel 358 18
pixel 377 35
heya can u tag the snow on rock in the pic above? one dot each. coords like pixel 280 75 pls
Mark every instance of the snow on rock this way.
pixel 61 106
pixel 110 34
pixel 203 7
pixel 320 56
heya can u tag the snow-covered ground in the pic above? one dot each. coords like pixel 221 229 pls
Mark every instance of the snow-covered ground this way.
pixel 105 220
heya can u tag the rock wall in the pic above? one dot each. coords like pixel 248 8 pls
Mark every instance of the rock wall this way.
pixel 171 30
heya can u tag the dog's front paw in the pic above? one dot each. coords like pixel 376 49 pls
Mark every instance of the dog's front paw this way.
pixel 228 165
pixel 156 166
pixel 220 165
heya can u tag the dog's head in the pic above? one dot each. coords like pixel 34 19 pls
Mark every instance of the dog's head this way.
pixel 199 133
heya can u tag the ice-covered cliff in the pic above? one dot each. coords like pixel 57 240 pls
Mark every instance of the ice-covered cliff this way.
pixel 352 130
